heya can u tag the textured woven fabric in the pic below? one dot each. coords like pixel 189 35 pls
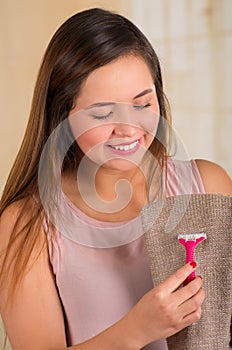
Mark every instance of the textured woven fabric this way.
pixel 212 214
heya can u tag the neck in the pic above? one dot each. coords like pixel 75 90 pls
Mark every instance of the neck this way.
pixel 106 194
pixel 107 180
pixel 110 188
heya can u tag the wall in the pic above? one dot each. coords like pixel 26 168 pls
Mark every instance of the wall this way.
pixel 193 39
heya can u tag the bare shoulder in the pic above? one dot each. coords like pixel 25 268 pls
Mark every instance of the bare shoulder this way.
pixel 15 231
pixel 8 220
pixel 12 215
pixel 214 177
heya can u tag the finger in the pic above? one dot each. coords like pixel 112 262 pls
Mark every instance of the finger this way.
pixel 192 318
pixel 175 280
pixel 187 292
pixel 192 304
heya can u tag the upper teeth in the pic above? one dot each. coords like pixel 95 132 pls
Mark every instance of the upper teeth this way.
pixel 125 147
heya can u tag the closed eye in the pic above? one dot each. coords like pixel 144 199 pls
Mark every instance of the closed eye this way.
pixel 139 107
pixel 105 116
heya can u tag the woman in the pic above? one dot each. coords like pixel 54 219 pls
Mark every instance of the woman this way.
pixel 98 111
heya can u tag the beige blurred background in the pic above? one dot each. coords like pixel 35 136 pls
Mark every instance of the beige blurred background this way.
pixel 193 39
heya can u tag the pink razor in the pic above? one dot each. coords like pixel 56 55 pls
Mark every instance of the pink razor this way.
pixel 190 241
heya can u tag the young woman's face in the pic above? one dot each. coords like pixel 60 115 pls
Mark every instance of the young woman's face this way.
pixel 116 114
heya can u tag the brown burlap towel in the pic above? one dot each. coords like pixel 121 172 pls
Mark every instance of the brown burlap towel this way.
pixel 212 214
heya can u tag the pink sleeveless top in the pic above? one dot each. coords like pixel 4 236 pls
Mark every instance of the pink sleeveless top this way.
pixel 99 285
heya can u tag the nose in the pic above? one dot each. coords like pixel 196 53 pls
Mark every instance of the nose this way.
pixel 126 124
pixel 125 130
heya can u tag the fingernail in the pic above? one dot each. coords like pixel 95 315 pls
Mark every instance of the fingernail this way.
pixel 193 264
pixel 200 277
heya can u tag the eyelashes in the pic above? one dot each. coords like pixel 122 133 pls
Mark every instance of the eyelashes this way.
pixel 140 107
pixel 105 116
pixel 101 116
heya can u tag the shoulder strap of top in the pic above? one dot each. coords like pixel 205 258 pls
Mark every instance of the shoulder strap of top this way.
pixel 182 177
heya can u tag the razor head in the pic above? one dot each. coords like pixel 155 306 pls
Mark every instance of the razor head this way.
pixel 192 236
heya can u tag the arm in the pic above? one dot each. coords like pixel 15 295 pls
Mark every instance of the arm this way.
pixel 214 177
pixel 34 318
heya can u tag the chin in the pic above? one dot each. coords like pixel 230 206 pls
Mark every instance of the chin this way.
pixel 121 165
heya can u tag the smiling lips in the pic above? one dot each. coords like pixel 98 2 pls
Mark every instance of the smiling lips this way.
pixel 125 148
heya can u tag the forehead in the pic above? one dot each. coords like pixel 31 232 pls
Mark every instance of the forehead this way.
pixel 117 81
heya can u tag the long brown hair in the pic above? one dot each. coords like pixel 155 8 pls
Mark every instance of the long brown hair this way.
pixel 85 42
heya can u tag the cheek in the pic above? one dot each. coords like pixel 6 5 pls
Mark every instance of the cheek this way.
pixel 93 137
pixel 148 140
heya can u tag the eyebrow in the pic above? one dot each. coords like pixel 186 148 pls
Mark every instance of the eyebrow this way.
pixel 145 92
pixel 103 104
